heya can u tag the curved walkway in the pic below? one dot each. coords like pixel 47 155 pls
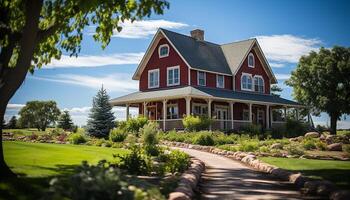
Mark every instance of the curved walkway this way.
pixel 225 178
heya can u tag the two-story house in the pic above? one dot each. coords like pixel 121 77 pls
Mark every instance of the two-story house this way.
pixel 181 75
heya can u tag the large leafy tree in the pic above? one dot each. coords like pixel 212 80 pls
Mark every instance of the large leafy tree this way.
pixel 65 121
pixel 101 118
pixel 35 31
pixel 39 114
pixel 321 81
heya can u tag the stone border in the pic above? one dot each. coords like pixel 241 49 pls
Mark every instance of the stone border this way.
pixel 188 181
pixel 307 185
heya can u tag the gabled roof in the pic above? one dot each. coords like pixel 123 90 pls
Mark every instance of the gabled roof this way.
pixel 200 55
pixel 202 92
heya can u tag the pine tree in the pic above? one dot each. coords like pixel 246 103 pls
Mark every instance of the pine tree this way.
pixel 101 118
pixel 65 121
pixel 12 123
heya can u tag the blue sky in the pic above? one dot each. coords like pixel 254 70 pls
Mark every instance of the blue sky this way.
pixel 285 30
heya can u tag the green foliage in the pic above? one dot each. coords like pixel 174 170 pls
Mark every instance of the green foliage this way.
pixel 135 162
pixel 295 128
pixel 346 148
pixel 133 125
pixel 228 147
pixel 276 90
pixel 204 138
pixel 38 114
pixel 264 149
pixel 252 129
pixel 176 161
pixel 12 124
pixel 65 121
pixel 321 81
pixel 150 138
pixel 77 138
pixel 196 123
pixel 294 149
pixel 321 145
pixel 117 135
pixel 309 143
pixel 249 146
pixel 101 118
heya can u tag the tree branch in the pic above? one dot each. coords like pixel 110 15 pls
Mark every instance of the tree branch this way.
pixel 43 34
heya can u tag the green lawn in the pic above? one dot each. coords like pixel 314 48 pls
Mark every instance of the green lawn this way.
pixel 40 160
pixel 335 171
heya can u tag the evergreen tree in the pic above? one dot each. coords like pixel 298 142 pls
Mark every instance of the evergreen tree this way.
pixel 12 123
pixel 3 125
pixel 65 121
pixel 101 118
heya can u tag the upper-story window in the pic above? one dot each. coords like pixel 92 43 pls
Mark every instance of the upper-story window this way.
pixel 246 82
pixel 173 76
pixel 201 78
pixel 259 84
pixel 163 50
pixel 251 62
pixel 220 81
pixel 153 78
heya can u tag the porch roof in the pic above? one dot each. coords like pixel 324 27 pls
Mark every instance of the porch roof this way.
pixel 202 92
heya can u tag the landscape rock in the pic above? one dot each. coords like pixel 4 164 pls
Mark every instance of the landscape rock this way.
pixel 335 147
pixel 178 196
pixel 340 195
pixel 276 146
pixel 297 179
pixel 312 134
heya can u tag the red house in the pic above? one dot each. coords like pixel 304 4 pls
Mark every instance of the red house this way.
pixel 181 75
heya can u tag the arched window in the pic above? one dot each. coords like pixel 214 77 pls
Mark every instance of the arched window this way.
pixel 246 82
pixel 163 50
pixel 259 84
pixel 251 62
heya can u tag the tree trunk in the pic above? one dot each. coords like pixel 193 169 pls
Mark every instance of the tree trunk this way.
pixel 12 78
pixel 334 119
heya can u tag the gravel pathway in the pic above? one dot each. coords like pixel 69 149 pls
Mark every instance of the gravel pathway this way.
pixel 225 178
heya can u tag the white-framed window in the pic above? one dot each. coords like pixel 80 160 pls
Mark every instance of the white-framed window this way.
pixel 220 81
pixel 201 78
pixel 246 82
pixel 259 84
pixel 173 76
pixel 153 78
pixel 200 109
pixel 172 111
pixel 163 50
pixel 251 61
pixel 245 116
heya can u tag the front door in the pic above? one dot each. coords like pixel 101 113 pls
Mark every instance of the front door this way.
pixel 221 115
pixel 260 118
pixel 152 113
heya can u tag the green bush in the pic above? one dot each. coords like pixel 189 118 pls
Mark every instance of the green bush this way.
pixel 76 138
pixel 295 128
pixel 278 132
pixel 294 149
pixel 150 138
pixel 346 148
pixel 228 147
pixel 264 149
pixel 196 123
pixel 177 161
pixel 174 136
pixel 309 143
pixel 249 146
pixel 204 138
pixel 133 125
pixel 252 129
pixel 117 135
pixel 321 145
pixel 135 162
pixel 221 138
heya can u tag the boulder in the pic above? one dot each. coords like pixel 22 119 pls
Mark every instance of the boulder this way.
pixel 276 146
pixel 178 196
pixel 297 179
pixel 248 158
pixel 312 134
pixel 340 195
pixel 335 147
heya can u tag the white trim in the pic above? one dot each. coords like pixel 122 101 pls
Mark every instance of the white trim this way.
pixel 202 70
pixel 251 54
pixel 149 73
pixel 202 105
pixel 161 46
pixel 223 81
pixel 247 89
pixel 167 76
pixel 205 78
pixel 189 76
pixel 263 82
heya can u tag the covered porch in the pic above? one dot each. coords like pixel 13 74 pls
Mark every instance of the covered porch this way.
pixel 229 110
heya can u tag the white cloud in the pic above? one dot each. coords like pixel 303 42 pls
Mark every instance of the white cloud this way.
pixel 145 28
pixel 120 82
pixel 282 76
pixel 14 106
pixel 276 65
pixel 287 48
pixel 96 61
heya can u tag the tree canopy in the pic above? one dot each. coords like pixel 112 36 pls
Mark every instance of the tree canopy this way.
pixel 12 123
pixel 39 114
pixel 65 121
pixel 321 81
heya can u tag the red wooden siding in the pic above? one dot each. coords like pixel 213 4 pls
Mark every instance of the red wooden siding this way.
pixel 210 79
pixel 257 70
pixel 162 64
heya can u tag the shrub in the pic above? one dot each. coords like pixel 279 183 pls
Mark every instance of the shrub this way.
pixel 117 145
pixel 278 132
pixel 174 136
pixel 77 138
pixel 309 143
pixel 252 129
pixel 221 138
pixel 228 147
pixel 294 149
pixel 117 135
pixel 346 148
pixel 150 138
pixel 107 143
pixel 204 138
pixel 177 161
pixel 135 162
pixel 295 128
pixel 249 146
pixel 264 149
pixel 321 145
pixel 62 137
pixel 33 136
pixel 196 123
pixel 133 125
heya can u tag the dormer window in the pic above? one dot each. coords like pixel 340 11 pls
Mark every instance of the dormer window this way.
pixel 251 62
pixel 163 50
pixel 259 84
pixel 220 81
pixel 246 82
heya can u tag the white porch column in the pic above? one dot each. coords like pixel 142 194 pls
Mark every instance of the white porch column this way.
pixel 188 106
pixel 231 111
pixel 250 113
pixel 267 116
pixel 285 113
pixel 209 110
pixel 127 112
pixel 145 109
pixel 164 112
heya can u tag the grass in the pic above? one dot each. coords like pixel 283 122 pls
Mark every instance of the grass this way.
pixel 40 160
pixel 336 171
